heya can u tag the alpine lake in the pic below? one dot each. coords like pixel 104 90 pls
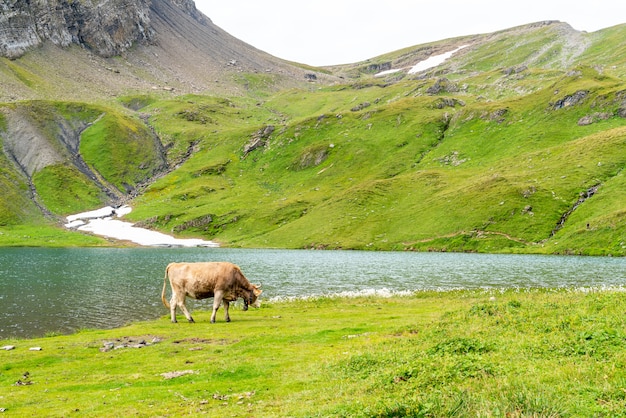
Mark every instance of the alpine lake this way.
pixel 62 290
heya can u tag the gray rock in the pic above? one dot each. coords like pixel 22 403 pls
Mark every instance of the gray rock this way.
pixel 107 27
pixel 571 100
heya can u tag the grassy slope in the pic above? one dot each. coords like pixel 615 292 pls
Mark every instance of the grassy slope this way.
pixel 40 233
pixel 119 149
pixel 400 173
pixel 15 207
pixel 487 165
pixel 471 353
pixel 22 222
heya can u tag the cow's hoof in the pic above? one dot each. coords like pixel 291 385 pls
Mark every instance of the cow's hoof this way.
pixel 227 319
pixel 191 321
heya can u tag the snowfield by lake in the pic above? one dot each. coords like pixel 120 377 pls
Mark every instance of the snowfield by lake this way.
pixel 103 222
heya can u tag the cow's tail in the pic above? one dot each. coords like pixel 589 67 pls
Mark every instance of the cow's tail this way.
pixel 165 302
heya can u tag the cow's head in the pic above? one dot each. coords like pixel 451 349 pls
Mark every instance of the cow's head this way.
pixel 251 299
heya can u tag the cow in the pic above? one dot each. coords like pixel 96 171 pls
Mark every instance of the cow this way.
pixel 222 281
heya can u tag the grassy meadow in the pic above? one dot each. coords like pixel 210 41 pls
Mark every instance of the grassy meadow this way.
pixel 392 168
pixel 510 353
pixel 42 234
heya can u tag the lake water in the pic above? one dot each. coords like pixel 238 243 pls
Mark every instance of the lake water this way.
pixel 61 290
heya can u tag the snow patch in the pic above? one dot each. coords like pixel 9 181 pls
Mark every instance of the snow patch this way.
pixel 426 64
pixel 434 61
pixel 102 222
pixel 387 72
pixel 104 212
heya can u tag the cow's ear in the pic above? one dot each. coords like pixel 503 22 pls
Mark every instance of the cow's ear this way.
pixel 257 291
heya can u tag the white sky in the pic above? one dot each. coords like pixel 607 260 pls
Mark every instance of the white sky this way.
pixel 326 32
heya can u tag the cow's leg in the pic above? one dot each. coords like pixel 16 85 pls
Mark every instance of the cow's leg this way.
pixel 226 310
pixel 179 300
pixel 183 308
pixel 173 303
pixel 217 300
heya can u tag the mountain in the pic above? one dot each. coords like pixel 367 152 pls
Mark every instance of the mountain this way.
pixel 513 141
pixel 93 49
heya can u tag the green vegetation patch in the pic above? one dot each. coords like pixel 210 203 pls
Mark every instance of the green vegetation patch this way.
pixel 137 102
pixel 15 206
pixel 44 233
pixel 64 190
pixel 122 149
pixel 23 74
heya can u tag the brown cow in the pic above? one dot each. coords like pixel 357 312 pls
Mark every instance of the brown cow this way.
pixel 220 280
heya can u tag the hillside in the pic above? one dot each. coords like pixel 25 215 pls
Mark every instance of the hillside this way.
pixel 516 143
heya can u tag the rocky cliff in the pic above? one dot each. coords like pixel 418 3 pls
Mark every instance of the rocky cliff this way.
pixel 106 27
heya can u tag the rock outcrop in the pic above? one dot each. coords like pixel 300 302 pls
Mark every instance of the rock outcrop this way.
pixel 106 27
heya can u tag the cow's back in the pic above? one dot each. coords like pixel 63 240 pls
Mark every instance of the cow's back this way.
pixel 201 280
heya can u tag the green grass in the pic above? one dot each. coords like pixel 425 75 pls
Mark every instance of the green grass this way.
pixel 15 206
pixel 66 191
pixel 47 234
pixel 466 353
pixel 122 149
pixel 21 73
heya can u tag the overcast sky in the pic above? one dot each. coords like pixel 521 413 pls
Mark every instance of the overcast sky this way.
pixel 325 32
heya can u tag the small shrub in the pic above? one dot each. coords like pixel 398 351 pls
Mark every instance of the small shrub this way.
pixel 525 402
pixel 398 410
pixel 361 365
pixel 514 304
pixel 486 309
pixel 460 346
